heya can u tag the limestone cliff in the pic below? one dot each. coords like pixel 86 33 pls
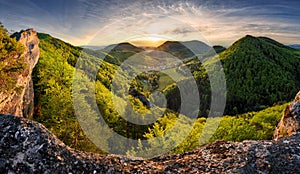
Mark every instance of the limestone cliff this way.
pixel 20 103
pixel 290 121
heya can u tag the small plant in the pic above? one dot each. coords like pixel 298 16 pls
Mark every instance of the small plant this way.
pixel 11 62
pixel 19 89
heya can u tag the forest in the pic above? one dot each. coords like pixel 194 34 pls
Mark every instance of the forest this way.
pixel 259 86
pixel 11 62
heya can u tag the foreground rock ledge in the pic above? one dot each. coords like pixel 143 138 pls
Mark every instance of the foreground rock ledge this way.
pixel 28 147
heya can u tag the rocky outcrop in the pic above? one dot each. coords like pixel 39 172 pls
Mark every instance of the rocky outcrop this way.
pixel 290 121
pixel 28 147
pixel 20 102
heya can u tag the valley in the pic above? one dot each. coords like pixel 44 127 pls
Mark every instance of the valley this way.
pixel 256 80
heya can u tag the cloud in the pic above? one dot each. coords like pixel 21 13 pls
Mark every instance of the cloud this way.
pixel 108 21
pixel 182 30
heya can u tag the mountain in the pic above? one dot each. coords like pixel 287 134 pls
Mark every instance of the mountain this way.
pixel 219 49
pixel 183 50
pixel 93 47
pixel 274 42
pixel 295 46
pixel 259 72
pixel 125 46
pixel 117 53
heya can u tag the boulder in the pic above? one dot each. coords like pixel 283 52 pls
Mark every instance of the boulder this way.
pixel 290 121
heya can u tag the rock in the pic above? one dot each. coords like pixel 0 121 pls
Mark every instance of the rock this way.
pixel 28 147
pixel 290 121
pixel 20 103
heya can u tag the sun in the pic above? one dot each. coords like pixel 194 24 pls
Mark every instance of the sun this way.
pixel 153 39
pixel 148 41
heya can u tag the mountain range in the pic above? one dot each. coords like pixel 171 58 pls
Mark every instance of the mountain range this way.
pixel 295 46
pixel 260 72
pixel 261 76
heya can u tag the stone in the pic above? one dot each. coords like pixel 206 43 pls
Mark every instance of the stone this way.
pixel 28 147
pixel 290 121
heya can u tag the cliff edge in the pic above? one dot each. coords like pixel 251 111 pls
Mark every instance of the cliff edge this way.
pixel 28 147
pixel 20 102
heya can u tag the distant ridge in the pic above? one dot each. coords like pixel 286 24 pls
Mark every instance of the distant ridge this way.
pixel 295 46
pixel 93 47
pixel 274 42
pixel 184 50
pixel 117 53
pixel 123 46
pixel 219 49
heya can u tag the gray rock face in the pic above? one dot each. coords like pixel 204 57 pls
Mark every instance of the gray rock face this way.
pixel 21 103
pixel 28 147
pixel 290 121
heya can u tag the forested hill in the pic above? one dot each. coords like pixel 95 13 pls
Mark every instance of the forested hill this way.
pixel 183 50
pixel 117 53
pixel 259 72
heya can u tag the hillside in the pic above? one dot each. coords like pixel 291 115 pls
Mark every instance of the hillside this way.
pixel 54 108
pixel 219 49
pixel 183 50
pixel 259 72
pixel 117 53
pixel 123 46
pixel 53 80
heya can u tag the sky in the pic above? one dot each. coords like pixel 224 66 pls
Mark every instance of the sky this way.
pixel 105 22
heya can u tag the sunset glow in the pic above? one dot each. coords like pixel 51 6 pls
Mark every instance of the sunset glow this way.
pixel 103 22
pixel 149 41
